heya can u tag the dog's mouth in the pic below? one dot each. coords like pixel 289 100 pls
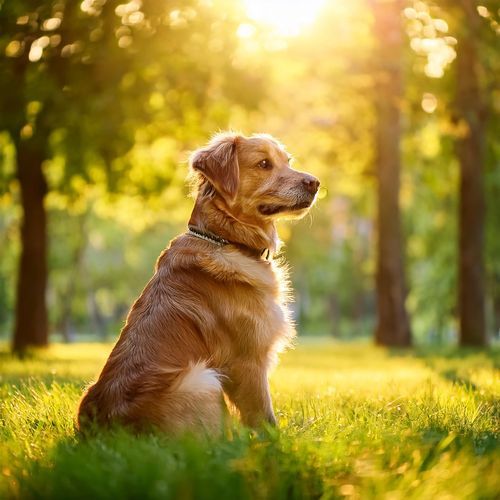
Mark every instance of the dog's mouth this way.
pixel 273 209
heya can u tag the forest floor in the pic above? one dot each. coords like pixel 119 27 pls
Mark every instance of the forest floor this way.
pixel 354 421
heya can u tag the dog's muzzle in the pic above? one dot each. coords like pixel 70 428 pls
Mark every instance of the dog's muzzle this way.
pixel 306 191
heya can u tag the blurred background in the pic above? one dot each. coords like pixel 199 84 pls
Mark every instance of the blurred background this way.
pixel 393 104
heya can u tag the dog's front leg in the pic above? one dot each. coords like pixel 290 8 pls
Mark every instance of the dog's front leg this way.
pixel 248 389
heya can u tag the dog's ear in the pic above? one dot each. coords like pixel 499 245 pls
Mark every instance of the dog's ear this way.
pixel 218 163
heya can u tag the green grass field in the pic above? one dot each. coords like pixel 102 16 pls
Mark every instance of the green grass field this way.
pixel 354 421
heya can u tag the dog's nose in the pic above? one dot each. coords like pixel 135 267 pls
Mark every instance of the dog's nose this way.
pixel 311 183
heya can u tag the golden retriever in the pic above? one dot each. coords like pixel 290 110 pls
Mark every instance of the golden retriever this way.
pixel 212 318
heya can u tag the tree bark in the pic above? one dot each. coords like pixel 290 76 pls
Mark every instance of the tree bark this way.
pixel 496 314
pixel 31 326
pixel 470 149
pixel 393 327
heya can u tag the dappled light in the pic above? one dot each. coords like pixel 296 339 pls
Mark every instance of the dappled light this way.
pixel 285 18
pixel 429 38
pixel 421 425
pixel 119 93
pixel 107 110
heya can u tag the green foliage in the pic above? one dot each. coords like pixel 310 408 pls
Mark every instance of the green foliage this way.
pixel 122 92
pixel 354 420
pixel 111 95
pixel 85 76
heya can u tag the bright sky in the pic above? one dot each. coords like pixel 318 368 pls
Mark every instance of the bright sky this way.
pixel 286 17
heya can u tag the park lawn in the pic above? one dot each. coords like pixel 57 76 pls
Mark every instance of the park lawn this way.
pixel 354 421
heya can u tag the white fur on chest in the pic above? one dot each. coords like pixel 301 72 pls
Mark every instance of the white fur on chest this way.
pixel 260 319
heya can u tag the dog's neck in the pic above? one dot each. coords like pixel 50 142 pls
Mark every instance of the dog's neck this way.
pixel 212 215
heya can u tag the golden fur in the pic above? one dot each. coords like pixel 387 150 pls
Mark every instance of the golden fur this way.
pixel 213 316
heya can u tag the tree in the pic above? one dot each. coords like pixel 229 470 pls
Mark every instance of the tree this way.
pixel 470 109
pixel 393 328
pixel 79 78
pixel 461 109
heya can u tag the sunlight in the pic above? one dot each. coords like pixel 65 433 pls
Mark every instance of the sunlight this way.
pixel 284 17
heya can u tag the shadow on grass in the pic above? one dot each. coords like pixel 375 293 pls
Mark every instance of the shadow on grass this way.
pixel 448 353
pixel 467 420
pixel 453 376
pixel 457 364
pixel 480 443
pixel 118 464
pixel 244 465
pixel 453 363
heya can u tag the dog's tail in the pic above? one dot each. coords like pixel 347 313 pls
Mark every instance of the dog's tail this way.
pixel 197 378
pixel 195 401
pixel 173 399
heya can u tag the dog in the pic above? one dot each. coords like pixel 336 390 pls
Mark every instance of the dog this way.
pixel 210 322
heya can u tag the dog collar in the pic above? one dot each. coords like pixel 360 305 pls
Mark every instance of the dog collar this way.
pixel 207 236
pixel 213 238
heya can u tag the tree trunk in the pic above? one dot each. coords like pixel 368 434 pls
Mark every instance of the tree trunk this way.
pixel 31 327
pixel 393 328
pixel 471 300
pixel 496 315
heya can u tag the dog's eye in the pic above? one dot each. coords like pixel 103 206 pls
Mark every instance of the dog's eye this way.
pixel 265 164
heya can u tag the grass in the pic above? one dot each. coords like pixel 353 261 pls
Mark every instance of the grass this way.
pixel 354 421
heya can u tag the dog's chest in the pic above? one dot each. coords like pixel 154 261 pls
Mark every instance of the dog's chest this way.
pixel 259 317
pixel 247 297
pixel 256 330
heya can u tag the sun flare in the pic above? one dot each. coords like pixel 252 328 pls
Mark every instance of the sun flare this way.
pixel 284 17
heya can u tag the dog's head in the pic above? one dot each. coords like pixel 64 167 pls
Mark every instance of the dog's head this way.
pixel 254 177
